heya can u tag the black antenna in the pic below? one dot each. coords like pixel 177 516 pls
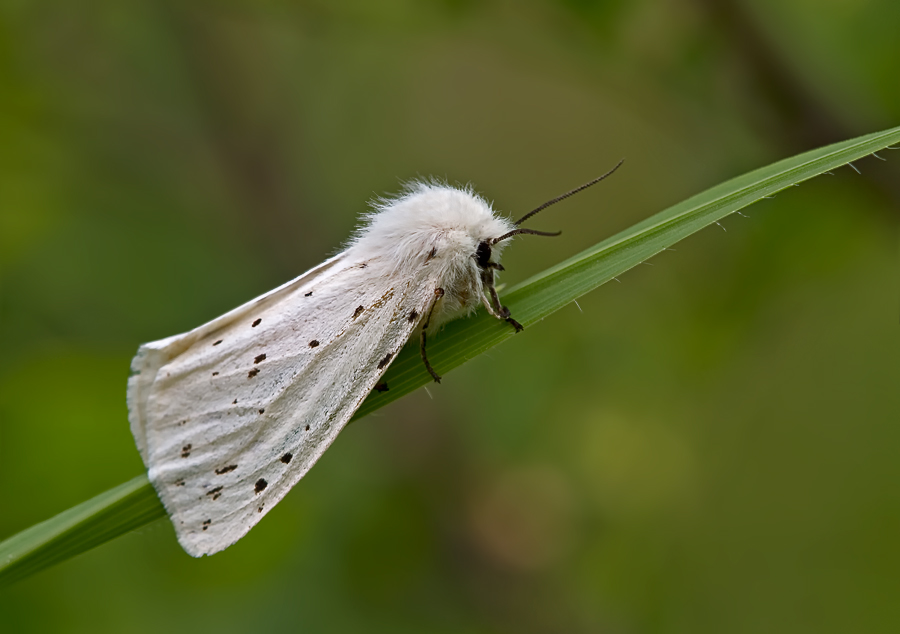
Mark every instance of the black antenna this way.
pixel 516 232
pixel 556 200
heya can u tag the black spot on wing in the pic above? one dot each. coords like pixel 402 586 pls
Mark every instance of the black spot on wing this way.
pixel 307 428
pixel 259 510
pixel 252 373
pixel 260 485
pixel 431 255
pixel 218 342
pixel 260 358
pixel 256 323
pixel 358 311
pixel 286 458
pixel 413 315
pixel 381 387
pixel 179 482
pixel 309 294
pixel 385 361
pixel 186 450
pixel 230 467
pixel 234 402
pixel 206 524
pixel 262 410
pixel 215 374
pixel 313 343
pixel 214 493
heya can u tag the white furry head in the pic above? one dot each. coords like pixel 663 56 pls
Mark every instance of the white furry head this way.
pixel 427 215
pixel 437 226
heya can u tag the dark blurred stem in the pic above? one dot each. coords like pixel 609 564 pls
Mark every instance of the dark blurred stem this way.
pixel 803 121
pixel 231 79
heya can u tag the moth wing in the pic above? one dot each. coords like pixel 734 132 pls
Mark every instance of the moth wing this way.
pixel 152 356
pixel 238 410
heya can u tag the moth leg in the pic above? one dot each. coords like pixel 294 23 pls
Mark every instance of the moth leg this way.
pixel 499 311
pixel 490 309
pixel 438 293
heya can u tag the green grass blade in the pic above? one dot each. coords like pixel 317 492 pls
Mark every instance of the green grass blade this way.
pixel 134 503
pixel 550 290
pixel 108 515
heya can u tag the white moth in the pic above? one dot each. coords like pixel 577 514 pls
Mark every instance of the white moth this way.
pixel 229 416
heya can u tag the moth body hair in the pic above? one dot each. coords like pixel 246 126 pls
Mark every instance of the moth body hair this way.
pixel 400 234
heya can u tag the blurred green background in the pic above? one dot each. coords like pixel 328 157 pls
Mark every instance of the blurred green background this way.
pixel 708 446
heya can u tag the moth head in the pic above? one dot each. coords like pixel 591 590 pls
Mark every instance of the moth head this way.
pixel 483 254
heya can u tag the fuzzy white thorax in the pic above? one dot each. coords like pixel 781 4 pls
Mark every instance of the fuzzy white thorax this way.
pixel 437 226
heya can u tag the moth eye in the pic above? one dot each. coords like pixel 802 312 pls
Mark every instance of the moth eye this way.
pixel 483 254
